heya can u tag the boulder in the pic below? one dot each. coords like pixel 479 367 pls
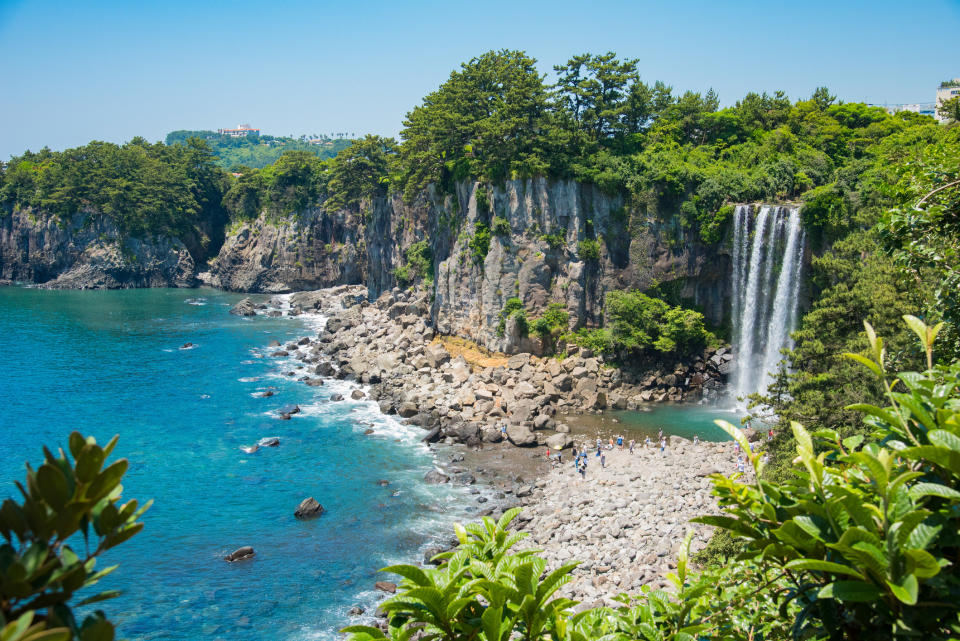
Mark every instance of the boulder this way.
pixel 385 586
pixel 595 401
pixel 436 477
pixel 521 435
pixel 357 394
pixel 245 307
pixel 308 509
pixel 289 409
pixel 336 397
pixel 436 355
pixel 408 410
pixel 517 361
pixel 559 441
pixel 240 554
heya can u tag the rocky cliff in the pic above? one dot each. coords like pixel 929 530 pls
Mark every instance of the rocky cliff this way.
pixel 88 253
pixel 549 241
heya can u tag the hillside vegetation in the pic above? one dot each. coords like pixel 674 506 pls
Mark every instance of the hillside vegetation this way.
pixel 258 151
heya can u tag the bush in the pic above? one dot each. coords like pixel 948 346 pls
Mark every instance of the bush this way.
pixel 513 307
pixel 588 250
pixel 500 226
pixel 479 243
pixel 555 240
pixel 551 324
pixel 39 569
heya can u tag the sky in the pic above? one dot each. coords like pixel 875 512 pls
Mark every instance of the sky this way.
pixel 77 71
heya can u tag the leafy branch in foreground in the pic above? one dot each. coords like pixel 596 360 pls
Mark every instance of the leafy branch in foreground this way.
pixel 39 570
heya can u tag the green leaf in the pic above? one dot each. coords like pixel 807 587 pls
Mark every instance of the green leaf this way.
pixel 414 574
pixel 943 438
pixel 15 629
pixel 736 434
pixel 107 480
pixel 53 486
pixel 922 563
pixel 853 591
pixel 97 598
pixel 866 362
pixel 933 489
pixel 907 591
pixel 823 566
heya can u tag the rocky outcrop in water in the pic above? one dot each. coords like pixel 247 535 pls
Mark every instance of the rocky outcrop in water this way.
pixel 88 253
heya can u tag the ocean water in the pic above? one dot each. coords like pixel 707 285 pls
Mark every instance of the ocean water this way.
pixel 109 362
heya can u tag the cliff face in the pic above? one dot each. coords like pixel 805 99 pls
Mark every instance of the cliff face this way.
pixel 539 259
pixel 87 253
pixel 310 250
pixel 535 254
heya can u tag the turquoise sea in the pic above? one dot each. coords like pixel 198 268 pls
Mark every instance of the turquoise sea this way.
pixel 109 362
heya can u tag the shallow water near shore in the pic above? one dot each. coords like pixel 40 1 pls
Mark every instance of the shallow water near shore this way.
pixel 675 419
pixel 110 362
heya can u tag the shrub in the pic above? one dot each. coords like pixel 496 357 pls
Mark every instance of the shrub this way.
pixel 513 307
pixel 500 226
pixel 555 240
pixel 551 324
pixel 479 243
pixel 588 250
pixel 63 502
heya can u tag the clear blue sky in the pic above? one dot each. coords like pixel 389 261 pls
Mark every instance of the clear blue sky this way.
pixel 76 71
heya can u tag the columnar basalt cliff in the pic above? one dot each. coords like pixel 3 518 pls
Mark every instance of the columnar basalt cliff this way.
pixel 547 241
pixel 88 253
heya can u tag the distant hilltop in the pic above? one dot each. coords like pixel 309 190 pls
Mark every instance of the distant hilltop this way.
pixel 245 146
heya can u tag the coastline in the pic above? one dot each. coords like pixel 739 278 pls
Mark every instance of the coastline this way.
pixel 489 425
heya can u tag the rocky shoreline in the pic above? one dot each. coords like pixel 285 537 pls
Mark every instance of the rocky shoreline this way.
pixel 622 522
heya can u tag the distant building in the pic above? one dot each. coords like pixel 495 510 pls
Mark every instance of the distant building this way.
pixel 240 131
pixel 925 108
pixel 948 89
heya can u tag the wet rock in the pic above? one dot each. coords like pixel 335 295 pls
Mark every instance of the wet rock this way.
pixel 240 554
pixel 385 586
pixel 245 307
pixel 355 611
pixel 289 409
pixel 308 509
pixel 336 397
pixel 357 394
pixel 436 477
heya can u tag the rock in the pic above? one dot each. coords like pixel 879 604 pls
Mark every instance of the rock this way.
pixel 383 482
pixel 436 355
pixel 324 369
pixel 336 397
pixel 308 509
pixel 357 394
pixel 559 441
pixel 267 394
pixel 269 441
pixel 187 346
pixel 436 477
pixel 273 343
pixel 289 409
pixel 517 361
pixel 432 435
pixel 240 554
pixel 245 307
pixel 595 401
pixel 521 435
pixel 408 410
pixel 385 586
pixel 355 611
pixel 314 382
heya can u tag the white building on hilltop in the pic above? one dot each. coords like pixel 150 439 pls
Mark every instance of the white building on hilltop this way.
pixel 241 130
pixel 948 89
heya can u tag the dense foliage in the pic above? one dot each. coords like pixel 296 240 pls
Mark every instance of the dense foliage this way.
pixel 258 151
pixel 42 564
pixel 635 323
pixel 859 543
pixel 143 188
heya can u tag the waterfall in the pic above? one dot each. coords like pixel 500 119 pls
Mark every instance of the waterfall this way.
pixel 765 288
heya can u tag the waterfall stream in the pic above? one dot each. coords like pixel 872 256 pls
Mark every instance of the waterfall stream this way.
pixel 767 265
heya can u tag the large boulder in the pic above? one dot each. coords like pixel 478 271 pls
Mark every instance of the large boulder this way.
pixel 308 509
pixel 246 307
pixel 521 435
pixel 408 410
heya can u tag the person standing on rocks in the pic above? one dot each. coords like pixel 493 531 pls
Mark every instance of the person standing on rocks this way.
pixel 603 461
pixel 696 439
pixel 620 442
pixel 663 444
pixel 632 443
